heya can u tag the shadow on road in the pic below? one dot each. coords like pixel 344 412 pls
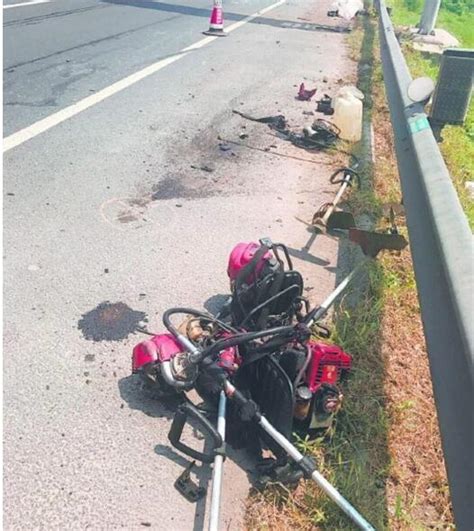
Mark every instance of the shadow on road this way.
pixel 205 13
pixel 139 397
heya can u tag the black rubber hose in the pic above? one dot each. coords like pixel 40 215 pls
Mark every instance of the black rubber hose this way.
pixel 268 301
pixel 245 338
pixel 345 171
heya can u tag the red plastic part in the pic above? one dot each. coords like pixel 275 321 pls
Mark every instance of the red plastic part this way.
pixel 327 362
pixel 162 347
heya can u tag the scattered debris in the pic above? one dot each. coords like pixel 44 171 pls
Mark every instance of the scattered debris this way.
pixel 321 134
pixel 276 153
pixel 305 94
pixel 224 147
pixel 204 167
pixel 277 122
pixel 325 105
pixel 89 357
pixel 333 13
pixel 308 113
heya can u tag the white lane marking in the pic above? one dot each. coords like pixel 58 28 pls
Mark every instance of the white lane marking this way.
pixel 23 135
pixel 30 3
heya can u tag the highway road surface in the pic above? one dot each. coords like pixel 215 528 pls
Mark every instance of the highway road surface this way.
pixel 111 110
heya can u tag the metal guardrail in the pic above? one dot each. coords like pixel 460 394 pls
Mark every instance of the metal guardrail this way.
pixel 442 249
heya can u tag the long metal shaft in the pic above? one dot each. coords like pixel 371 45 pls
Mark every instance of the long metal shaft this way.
pixel 335 202
pixel 326 304
pixel 322 482
pixel 218 468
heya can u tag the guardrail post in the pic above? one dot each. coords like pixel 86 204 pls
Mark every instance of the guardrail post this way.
pixel 429 16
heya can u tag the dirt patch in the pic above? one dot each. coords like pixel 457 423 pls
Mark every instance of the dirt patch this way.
pixel 170 188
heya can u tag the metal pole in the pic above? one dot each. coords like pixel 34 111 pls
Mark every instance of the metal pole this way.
pixel 325 305
pixel 298 457
pixel 322 482
pixel 429 16
pixel 342 189
pixel 218 466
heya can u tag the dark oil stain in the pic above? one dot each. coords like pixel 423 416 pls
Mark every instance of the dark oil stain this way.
pixel 169 188
pixel 172 187
pixel 110 322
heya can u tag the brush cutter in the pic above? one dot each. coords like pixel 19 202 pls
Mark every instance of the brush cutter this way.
pixel 211 356
pixel 208 361
pixel 327 218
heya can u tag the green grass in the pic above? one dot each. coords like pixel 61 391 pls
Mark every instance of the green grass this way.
pixel 356 460
pixel 408 13
pixel 458 141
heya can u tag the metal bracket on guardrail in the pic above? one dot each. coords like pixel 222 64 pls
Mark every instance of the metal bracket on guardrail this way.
pixel 442 249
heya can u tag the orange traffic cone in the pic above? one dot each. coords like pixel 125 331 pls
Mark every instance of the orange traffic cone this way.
pixel 216 23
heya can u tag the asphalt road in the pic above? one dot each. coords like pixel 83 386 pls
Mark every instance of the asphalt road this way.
pixel 104 115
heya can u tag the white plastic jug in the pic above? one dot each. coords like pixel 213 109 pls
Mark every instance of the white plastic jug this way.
pixel 348 116
pixel 351 89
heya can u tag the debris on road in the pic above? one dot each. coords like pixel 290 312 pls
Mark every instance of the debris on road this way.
pixel 204 167
pixel 322 134
pixel 324 105
pixel 277 122
pixel 276 153
pixel 305 94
